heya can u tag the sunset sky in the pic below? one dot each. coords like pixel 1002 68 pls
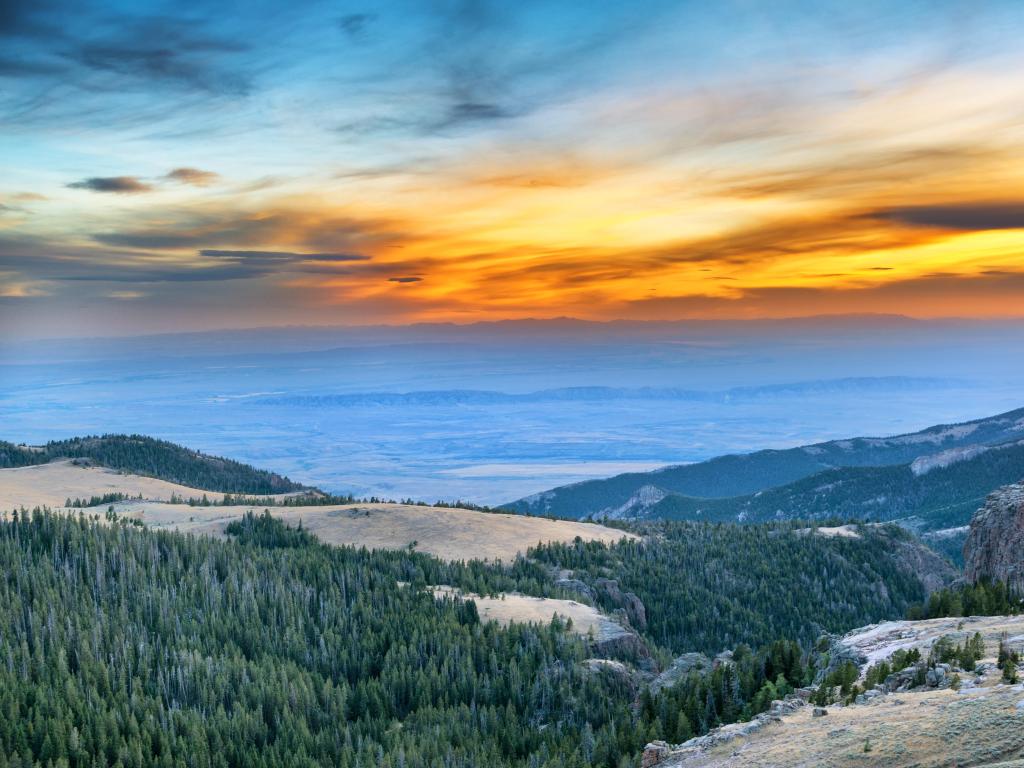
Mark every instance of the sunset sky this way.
pixel 188 166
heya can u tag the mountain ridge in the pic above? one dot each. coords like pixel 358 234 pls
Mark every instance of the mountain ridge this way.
pixel 736 475
pixel 155 458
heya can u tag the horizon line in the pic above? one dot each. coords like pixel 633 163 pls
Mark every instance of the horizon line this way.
pixel 451 324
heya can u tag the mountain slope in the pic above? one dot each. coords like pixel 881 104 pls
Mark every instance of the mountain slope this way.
pixel 940 498
pixel 154 458
pixel 699 586
pixel 741 475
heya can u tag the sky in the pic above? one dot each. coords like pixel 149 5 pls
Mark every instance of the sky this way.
pixel 173 166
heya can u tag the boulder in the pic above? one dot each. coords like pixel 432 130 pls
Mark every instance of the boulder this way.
pixel 819 712
pixel 654 753
pixel 781 707
pixel 867 696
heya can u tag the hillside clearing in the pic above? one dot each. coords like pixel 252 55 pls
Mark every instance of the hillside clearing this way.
pixel 522 609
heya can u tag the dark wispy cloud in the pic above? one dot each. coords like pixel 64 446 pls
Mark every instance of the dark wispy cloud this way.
pixel 960 216
pixel 314 230
pixel 355 24
pixel 17 17
pixel 214 265
pixel 116 184
pixel 255 263
pixel 166 50
pixel 89 66
pixel 38 260
pixel 22 67
pixel 282 255
pixel 194 176
pixel 405 279
pixel 478 64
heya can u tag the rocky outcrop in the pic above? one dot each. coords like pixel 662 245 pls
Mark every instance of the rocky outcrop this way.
pixel 624 645
pixel 994 549
pixel 658 752
pixel 571 584
pixel 933 571
pixel 680 667
pixel 654 754
pixel 631 605
pixel 637 505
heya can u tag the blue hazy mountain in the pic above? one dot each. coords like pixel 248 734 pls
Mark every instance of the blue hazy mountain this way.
pixel 936 477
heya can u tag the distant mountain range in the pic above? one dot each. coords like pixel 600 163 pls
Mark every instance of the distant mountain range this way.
pixel 600 394
pixel 929 480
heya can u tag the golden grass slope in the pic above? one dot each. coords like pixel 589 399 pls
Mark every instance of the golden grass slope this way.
pixel 52 484
pixel 981 725
pixel 524 609
pixel 450 534
pixel 936 729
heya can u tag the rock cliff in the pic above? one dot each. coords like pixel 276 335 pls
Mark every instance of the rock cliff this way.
pixel 994 548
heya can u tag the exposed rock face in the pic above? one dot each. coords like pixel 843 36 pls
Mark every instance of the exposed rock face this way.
pixel 636 505
pixel 680 667
pixel 633 607
pixel 575 585
pixel 933 570
pixel 627 645
pixel 995 544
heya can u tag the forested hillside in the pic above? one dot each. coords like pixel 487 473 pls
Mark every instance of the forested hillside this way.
pixel 707 587
pixel 119 645
pixel 939 498
pixel 127 647
pixel 741 475
pixel 154 458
